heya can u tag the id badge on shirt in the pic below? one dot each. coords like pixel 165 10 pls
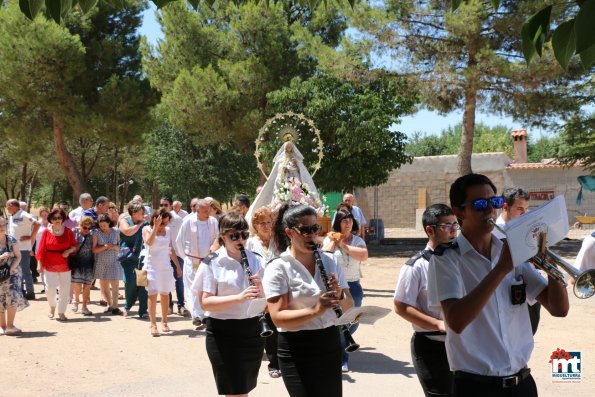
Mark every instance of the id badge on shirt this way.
pixel 518 291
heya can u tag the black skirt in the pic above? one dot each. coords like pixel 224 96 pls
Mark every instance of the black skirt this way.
pixel 235 350
pixel 310 362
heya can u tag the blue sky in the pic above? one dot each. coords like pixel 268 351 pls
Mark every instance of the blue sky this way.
pixel 424 120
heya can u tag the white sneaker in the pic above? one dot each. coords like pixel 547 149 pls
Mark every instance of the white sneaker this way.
pixel 1 331
pixel 344 368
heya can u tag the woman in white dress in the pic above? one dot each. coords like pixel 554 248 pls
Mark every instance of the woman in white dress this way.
pixel 158 253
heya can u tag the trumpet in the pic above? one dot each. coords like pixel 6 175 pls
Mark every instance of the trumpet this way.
pixel 548 261
pixel 265 330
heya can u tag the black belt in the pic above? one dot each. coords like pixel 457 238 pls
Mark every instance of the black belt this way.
pixel 504 382
pixel 430 333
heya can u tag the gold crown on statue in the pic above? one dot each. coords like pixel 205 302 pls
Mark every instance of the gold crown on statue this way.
pixel 288 133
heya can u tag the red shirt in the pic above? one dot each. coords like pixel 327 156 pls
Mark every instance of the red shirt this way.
pixel 51 247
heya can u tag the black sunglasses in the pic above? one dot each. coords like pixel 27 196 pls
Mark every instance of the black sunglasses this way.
pixel 235 236
pixel 481 204
pixel 305 230
pixel 163 205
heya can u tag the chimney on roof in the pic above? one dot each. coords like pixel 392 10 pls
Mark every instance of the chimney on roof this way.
pixel 519 140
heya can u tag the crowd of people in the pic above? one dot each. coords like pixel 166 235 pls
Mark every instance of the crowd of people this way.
pixel 472 334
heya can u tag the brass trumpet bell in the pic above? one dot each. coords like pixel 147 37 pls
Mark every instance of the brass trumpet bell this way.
pixel 548 261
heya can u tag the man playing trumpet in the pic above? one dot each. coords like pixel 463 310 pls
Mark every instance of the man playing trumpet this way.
pixel 484 298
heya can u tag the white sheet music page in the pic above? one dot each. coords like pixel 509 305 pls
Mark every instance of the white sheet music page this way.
pixel 522 233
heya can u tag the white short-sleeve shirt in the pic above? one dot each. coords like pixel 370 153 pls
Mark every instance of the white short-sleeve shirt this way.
pixel 586 256
pixel 287 275
pixel 499 341
pixel 255 245
pixel 224 276
pixel 351 266
pixel 412 289
pixel 21 224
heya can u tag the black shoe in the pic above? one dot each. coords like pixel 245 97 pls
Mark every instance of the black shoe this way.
pixel 117 311
pixel 30 297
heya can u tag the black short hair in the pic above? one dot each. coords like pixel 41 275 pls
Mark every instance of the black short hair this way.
pixel 105 218
pixel 513 193
pixel 289 216
pixel 101 200
pixel 339 216
pixel 165 198
pixel 231 220
pixel 241 199
pixel 432 214
pixel 458 189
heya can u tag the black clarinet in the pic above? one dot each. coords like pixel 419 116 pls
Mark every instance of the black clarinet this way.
pixel 265 330
pixel 351 345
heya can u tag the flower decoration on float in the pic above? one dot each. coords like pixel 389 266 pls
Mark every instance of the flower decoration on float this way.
pixel 295 192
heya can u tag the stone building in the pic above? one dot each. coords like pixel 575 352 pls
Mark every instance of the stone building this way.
pixel 426 181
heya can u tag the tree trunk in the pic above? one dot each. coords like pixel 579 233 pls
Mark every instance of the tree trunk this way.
pixel 31 184
pixel 466 150
pixel 468 131
pixel 78 184
pixel 53 199
pixel 23 190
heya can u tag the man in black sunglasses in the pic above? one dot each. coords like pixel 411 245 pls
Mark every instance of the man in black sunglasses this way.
pixel 483 297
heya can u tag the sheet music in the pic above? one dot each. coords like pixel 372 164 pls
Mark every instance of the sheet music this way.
pixel 522 233
pixel 350 315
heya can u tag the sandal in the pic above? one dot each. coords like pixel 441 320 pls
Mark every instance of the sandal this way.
pixel 86 312
pixel 51 316
pixel 61 317
pixel 274 373
pixel 154 331
pixel 165 328
pixel 75 307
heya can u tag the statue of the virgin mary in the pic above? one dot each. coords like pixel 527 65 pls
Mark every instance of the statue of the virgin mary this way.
pixel 289 182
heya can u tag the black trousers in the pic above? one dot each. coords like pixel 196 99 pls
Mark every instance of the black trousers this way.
pixel 270 345
pixel 431 364
pixel 471 388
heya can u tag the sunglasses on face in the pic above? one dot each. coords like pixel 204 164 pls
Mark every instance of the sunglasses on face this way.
pixel 85 228
pixel 305 229
pixel 481 204
pixel 163 205
pixel 56 219
pixel 235 236
pixel 448 226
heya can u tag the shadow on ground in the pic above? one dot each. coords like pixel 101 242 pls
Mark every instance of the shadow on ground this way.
pixel 367 361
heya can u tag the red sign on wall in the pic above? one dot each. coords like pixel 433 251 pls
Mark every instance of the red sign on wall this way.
pixel 549 195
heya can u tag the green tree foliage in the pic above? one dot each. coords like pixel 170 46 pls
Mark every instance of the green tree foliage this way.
pixel 78 80
pixel 215 66
pixel 486 139
pixel 468 59
pixel 184 169
pixel 360 148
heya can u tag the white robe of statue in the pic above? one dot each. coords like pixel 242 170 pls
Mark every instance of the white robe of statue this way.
pixel 287 164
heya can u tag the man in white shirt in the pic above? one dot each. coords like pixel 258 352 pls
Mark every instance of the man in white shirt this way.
pixel 194 242
pixel 175 223
pixel 585 259
pixel 428 352
pixel 85 202
pixel 177 208
pixel 516 203
pixel 23 227
pixel 357 214
pixel 483 298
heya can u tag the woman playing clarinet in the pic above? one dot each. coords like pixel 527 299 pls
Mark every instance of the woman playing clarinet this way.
pixel 225 284
pixel 301 301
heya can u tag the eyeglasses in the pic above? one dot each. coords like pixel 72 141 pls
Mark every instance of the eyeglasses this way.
pixel 235 236
pixel 85 228
pixel 305 230
pixel 163 205
pixel 448 226
pixel 57 218
pixel 481 204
